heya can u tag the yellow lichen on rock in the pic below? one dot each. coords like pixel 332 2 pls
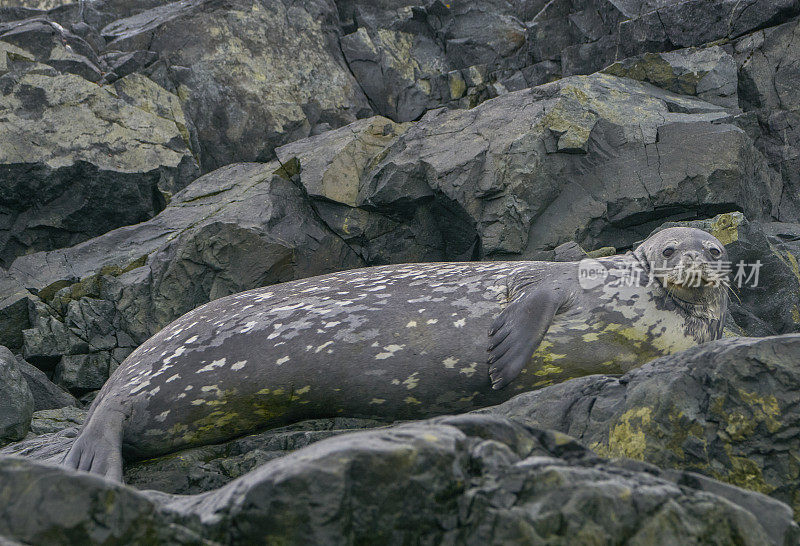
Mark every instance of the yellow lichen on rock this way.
pixel 628 438
pixel 725 227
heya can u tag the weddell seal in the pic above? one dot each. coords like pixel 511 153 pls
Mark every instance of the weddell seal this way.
pixel 401 342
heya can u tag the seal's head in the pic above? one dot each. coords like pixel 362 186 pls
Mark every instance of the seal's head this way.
pixel 690 264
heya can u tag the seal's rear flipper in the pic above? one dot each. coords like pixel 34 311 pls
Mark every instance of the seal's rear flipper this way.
pixel 98 448
pixel 518 331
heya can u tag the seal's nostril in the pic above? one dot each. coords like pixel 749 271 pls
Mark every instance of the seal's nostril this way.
pixel 693 257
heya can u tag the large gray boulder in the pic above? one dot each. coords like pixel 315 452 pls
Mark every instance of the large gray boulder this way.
pixel 250 75
pixel 465 479
pixel 45 504
pixel 46 394
pixel 78 159
pixel 16 400
pixel 597 159
pixel 727 409
pixel 237 228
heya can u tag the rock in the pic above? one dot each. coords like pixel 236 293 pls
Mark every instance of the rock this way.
pixel 86 509
pixel 55 420
pixel 48 446
pixel 204 468
pixel 100 13
pixel 237 228
pixel 576 38
pixel 775 516
pixel 52 44
pixel 16 400
pixel 594 159
pixel 80 159
pixel 262 75
pixel 331 168
pixel 768 79
pixel 46 394
pixel 456 480
pixel 31 4
pixel 709 73
pixel 726 409
pixel 569 252
pixel 411 58
pixel 84 372
pixel 14 318
pixel 331 165
pixel 400 73
pixel 581 38
pixel 674 24
pixel 121 64
pixel 465 479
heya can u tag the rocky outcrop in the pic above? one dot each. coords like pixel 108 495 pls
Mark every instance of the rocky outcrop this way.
pixel 16 400
pixel 466 479
pixel 768 78
pixel 240 227
pixel 46 394
pixel 77 159
pixel 726 409
pixel 537 168
pixel 260 75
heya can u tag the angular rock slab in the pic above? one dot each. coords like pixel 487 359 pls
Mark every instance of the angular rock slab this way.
pixel 595 159
pixel 769 79
pixel 251 75
pixel 238 228
pixel 47 505
pixel 727 409
pixel 46 394
pixel 332 168
pixel 78 159
pixel 16 400
pixel 465 479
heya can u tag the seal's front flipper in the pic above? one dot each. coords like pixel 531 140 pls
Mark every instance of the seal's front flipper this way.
pixel 98 448
pixel 518 331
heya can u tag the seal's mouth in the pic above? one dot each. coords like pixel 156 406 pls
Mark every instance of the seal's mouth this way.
pixel 694 275
pixel 691 281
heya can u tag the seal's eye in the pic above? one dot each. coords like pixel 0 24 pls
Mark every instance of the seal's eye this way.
pixel 714 251
pixel 669 251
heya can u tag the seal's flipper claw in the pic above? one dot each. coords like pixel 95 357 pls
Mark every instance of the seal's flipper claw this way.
pixel 522 326
pixel 98 448
pixel 497 336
